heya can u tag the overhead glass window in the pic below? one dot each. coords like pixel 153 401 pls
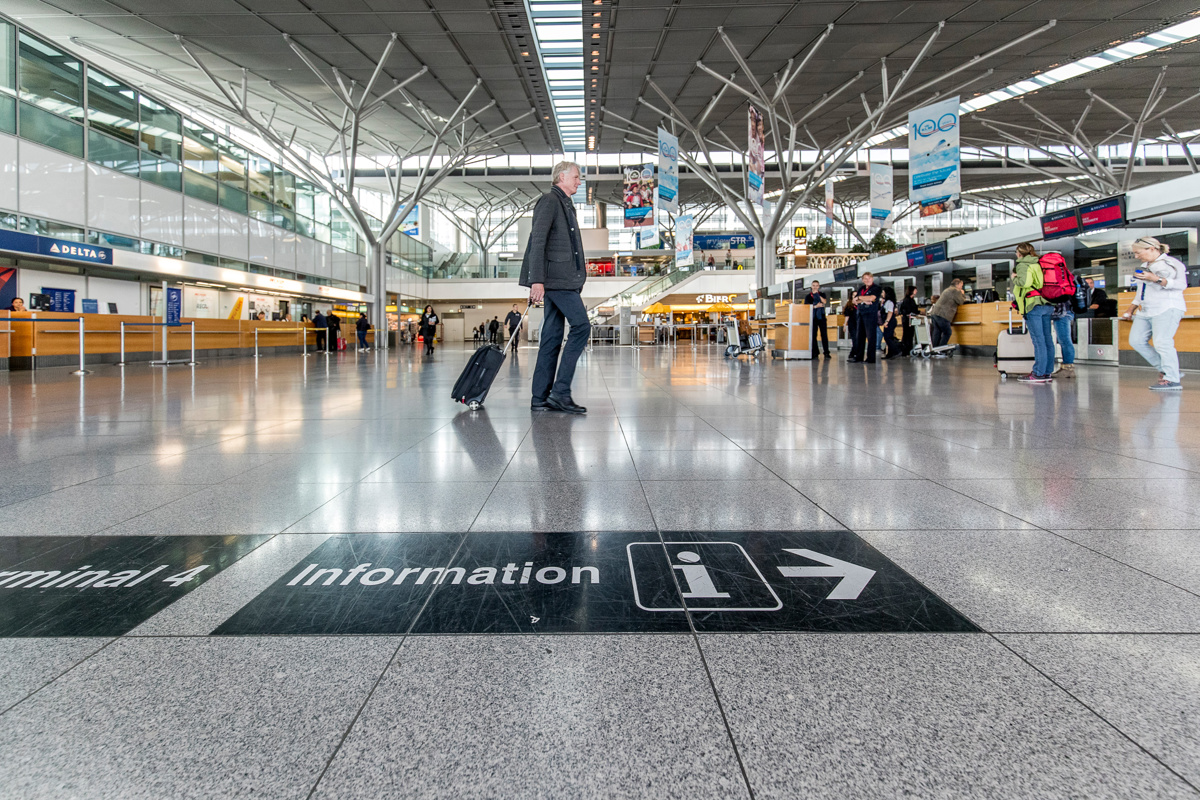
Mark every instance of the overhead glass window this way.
pixel 112 107
pixel 284 185
pixel 116 155
pixel 8 78
pixel 231 170
pixel 306 195
pixel 161 129
pixel 162 171
pixel 258 176
pixel 51 130
pixel 50 79
pixel 200 149
pixel 198 186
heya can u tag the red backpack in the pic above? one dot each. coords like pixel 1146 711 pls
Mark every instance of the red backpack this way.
pixel 1058 284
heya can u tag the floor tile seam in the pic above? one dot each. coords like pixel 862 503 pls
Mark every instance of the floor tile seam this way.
pixel 345 488
pixel 197 490
pixel 1113 558
pixel 1194 787
pixel 495 486
pixel 1058 535
pixel 54 679
pixel 383 672
pixel 712 685
pixel 815 504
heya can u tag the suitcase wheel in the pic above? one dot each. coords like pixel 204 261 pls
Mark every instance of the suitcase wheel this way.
pixel 474 405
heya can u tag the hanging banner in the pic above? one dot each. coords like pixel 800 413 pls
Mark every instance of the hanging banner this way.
pixel 411 224
pixel 639 196
pixel 757 176
pixel 881 195
pixel 829 208
pixel 935 174
pixel 668 172
pixel 683 240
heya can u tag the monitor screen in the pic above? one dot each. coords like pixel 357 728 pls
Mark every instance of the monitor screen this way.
pixel 936 253
pixel 1102 214
pixel 1060 223
pixel 915 256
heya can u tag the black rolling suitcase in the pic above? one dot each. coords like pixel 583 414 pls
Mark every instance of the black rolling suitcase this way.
pixel 473 384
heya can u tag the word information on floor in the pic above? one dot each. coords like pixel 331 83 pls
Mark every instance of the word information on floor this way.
pixel 595 583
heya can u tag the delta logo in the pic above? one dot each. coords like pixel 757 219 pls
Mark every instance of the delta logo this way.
pixel 78 252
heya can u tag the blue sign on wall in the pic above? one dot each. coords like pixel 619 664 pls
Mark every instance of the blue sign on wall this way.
pixel 722 241
pixel 174 305
pixel 61 299
pixel 90 306
pixel 54 248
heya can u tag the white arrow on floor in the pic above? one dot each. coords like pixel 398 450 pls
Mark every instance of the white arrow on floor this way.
pixel 854 578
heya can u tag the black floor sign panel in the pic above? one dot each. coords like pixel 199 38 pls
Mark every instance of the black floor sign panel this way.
pixel 595 583
pixel 103 585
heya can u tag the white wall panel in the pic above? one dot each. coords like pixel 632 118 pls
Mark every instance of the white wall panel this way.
pixel 306 255
pixel 53 185
pixel 262 243
pixel 162 215
pixel 201 225
pixel 8 172
pixel 114 201
pixel 235 235
pixel 324 263
pixel 285 248
pixel 128 295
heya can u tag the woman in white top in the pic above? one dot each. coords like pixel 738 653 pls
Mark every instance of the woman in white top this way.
pixel 1157 308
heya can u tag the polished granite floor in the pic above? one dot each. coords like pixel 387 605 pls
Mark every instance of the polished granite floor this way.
pixel 1058 526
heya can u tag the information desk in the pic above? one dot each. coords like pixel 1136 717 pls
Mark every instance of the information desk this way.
pixel 29 346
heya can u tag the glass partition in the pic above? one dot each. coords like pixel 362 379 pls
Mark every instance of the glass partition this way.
pixel 112 107
pixel 50 79
pixel 161 129
pixel 8 78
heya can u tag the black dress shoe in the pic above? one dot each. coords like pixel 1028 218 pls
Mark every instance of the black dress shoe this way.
pixel 538 405
pixel 569 406
pixel 853 360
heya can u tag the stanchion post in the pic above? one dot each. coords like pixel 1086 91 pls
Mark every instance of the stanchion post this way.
pixel 81 370
pixel 121 363
pixel 256 342
pixel 193 362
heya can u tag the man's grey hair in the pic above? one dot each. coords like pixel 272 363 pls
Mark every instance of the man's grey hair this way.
pixel 562 168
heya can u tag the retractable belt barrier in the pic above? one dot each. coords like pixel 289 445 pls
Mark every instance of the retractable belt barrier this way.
pixel 166 326
pixel 80 331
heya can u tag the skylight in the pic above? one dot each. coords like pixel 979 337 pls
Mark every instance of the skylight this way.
pixel 558 27
pixel 1114 55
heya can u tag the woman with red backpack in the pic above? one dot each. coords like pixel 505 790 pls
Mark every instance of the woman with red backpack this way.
pixel 1027 282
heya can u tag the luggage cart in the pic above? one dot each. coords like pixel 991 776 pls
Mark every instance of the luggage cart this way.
pixel 924 341
pixel 747 345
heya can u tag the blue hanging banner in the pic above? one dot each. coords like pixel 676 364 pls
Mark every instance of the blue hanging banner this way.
pixel 174 305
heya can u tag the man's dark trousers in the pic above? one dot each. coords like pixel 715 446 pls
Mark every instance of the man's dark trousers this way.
pixel 552 376
pixel 320 338
pixel 819 328
pixel 868 326
pixel 940 334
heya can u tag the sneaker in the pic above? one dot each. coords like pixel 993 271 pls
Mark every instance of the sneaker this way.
pixel 1031 378
pixel 1167 386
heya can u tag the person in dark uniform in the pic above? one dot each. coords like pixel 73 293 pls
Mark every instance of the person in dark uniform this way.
pixel 908 310
pixel 512 322
pixel 866 306
pixel 820 303
pixel 494 330
pixel 319 329
pixel 1093 301
pixel 334 323
pixel 555 272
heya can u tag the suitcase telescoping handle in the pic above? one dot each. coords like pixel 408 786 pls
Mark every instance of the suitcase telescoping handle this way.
pixel 1010 322
pixel 512 340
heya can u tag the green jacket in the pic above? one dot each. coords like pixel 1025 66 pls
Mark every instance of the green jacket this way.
pixel 1029 276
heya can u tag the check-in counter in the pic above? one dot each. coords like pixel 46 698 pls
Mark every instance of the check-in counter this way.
pixel 48 338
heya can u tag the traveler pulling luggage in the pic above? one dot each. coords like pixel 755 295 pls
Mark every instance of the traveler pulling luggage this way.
pixel 472 386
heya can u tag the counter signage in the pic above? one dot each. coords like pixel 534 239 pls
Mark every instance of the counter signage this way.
pixel 1060 223
pixel 936 253
pixel 54 248
pixel 61 299
pixel 1106 213
pixel 915 256
pixel 90 306
pixel 843 274
pixel 174 305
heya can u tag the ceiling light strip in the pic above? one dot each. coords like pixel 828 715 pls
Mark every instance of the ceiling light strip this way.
pixel 558 30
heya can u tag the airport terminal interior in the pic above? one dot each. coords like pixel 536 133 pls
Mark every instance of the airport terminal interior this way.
pixel 289 509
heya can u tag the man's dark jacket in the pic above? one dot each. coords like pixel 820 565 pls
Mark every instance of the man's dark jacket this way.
pixel 554 253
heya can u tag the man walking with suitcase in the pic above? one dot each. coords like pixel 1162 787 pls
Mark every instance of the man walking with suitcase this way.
pixel 554 271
